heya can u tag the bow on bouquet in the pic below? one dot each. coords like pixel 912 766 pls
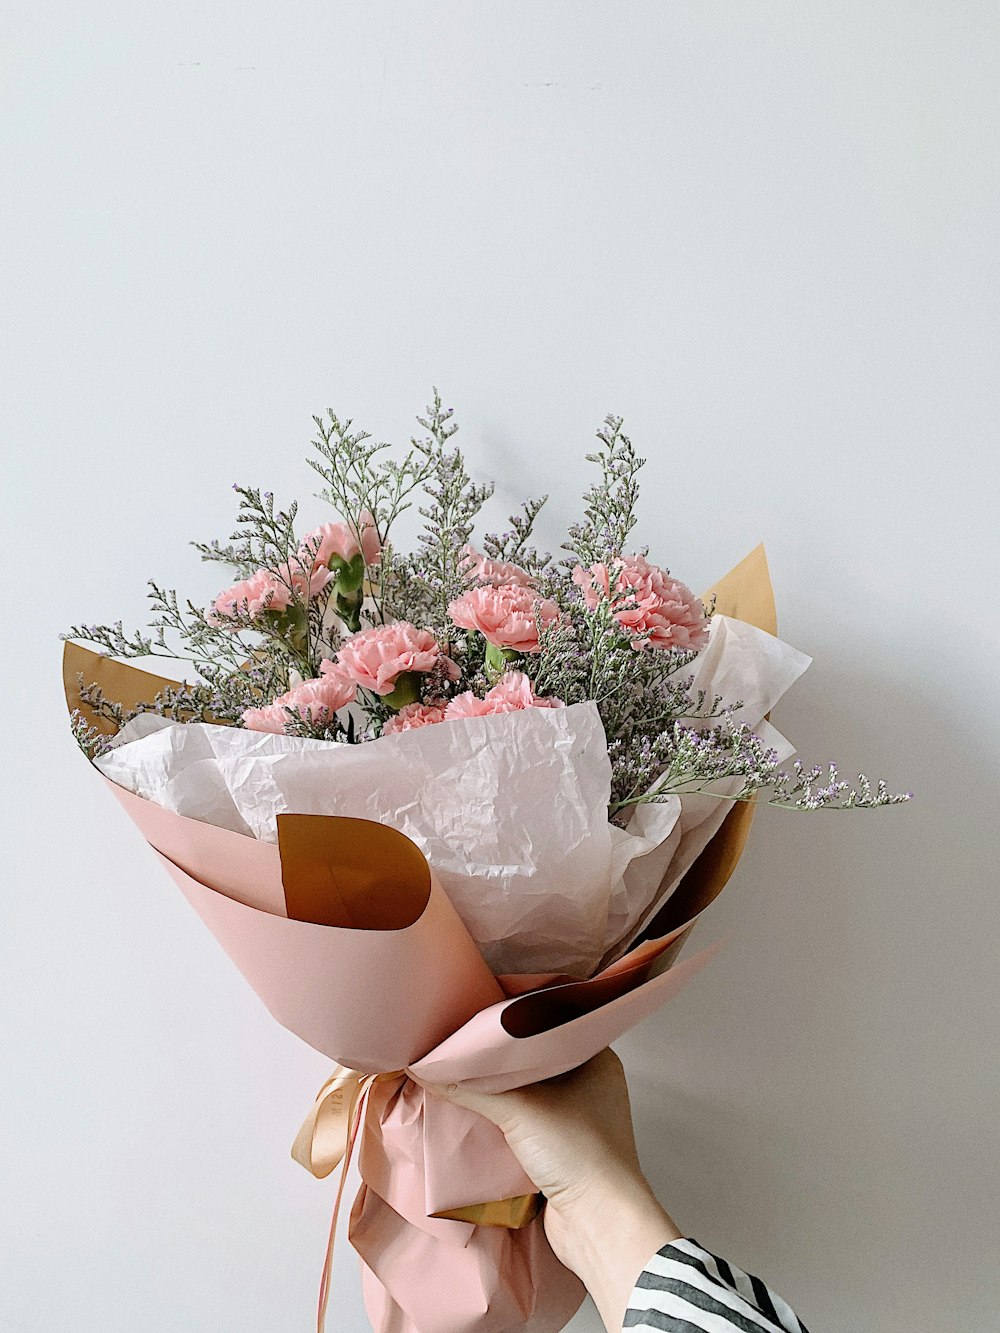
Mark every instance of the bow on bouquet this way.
pixel 450 811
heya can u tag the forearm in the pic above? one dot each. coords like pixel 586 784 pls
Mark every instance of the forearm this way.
pixel 607 1240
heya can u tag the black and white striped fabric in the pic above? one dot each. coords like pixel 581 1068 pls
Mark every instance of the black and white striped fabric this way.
pixel 686 1289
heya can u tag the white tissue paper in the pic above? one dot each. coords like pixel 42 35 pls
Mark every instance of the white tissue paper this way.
pixel 510 810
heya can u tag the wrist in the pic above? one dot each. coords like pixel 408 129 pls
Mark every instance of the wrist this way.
pixel 606 1235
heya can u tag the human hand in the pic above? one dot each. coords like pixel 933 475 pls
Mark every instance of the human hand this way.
pixel 573 1136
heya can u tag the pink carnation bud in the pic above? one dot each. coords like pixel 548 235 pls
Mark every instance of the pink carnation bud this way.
pixel 508 617
pixel 658 611
pixel 271 717
pixel 497 572
pixel 305 581
pixel 340 539
pixel 315 701
pixel 413 716
pixel 512 692
pixel 374 658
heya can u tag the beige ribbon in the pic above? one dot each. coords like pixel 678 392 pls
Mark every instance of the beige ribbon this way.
pixel 322 1142
pixel 327 1139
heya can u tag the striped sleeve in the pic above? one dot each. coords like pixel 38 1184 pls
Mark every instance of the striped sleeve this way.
pixel 686 1289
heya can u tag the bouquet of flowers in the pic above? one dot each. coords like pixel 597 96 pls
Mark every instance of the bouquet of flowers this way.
pixel 450 810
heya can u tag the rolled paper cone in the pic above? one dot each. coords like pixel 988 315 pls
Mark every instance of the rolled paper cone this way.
pixel 238 867
pixel 373 1000
pixel 373 996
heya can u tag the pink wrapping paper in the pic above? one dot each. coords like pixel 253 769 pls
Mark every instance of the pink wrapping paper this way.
pixel 443 1014
pixel 408 989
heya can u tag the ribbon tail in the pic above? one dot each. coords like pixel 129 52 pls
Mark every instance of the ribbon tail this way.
pixel 357 1118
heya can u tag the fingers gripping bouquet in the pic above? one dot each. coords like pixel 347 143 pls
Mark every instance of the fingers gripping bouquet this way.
pixel 450 811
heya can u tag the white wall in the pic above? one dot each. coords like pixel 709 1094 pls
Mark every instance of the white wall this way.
pixel 767 234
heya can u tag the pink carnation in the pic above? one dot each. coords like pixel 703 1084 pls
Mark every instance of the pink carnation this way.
pixel 340 539
pixel 510 694
pixel 498 572
pixel 306 582
pixel 250 597
pixel 645 598
pixel 509 616
pixel 316 701
pixel 374 658
pixel 272 717
pixel 412 716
